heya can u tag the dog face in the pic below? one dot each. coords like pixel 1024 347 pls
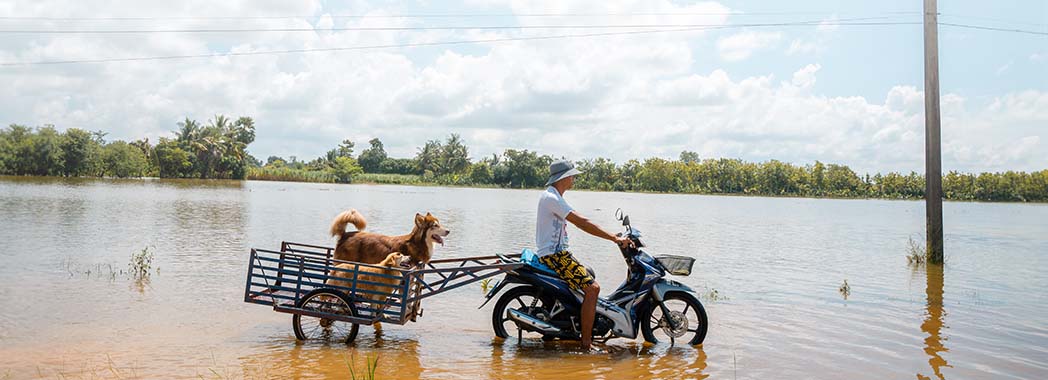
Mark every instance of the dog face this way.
pixel 402 261
pixel 432 230
pixel 396 259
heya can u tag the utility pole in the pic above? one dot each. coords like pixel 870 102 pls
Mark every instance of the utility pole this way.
pixel 932 141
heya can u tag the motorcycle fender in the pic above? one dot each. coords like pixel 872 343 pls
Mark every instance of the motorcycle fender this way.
pixel 495 290
pixel 664 286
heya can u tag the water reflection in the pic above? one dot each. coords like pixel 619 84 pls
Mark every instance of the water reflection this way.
pixel 397 358
pixel 934 321
pixel 676 362
pixel 631 360
pixel 77 182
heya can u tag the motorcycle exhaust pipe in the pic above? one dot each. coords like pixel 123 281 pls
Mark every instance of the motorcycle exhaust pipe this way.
pixel 528 322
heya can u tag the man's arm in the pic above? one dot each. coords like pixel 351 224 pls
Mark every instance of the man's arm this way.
pixel 586 225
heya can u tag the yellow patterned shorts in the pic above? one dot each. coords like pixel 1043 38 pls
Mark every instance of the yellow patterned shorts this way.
pixel 568 268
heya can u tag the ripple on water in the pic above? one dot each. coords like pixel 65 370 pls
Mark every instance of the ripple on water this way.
pixel 779 262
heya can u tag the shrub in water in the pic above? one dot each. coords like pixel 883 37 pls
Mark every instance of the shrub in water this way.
pixel 141 263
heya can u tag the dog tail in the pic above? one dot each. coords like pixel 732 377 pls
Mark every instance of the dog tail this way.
pixel 338 227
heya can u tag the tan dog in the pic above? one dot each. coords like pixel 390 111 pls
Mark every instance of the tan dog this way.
pixel 391 279
pixel 367 247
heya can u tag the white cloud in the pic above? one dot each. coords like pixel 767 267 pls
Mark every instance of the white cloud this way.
pixel 798 46
pixel 617 96
pixel 805 77
pixel 824 32
pixel 694 90
pixel 740 46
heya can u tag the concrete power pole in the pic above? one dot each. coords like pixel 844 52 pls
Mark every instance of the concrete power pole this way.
pixel 932 141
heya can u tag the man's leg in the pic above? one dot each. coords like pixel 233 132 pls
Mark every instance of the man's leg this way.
pixel 589 310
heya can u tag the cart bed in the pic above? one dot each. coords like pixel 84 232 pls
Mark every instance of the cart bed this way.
pixel 281 279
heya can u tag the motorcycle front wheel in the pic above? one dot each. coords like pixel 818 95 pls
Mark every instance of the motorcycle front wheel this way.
pixel 689 321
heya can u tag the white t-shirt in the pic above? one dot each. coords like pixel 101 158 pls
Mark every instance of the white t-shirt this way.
pixel 551 233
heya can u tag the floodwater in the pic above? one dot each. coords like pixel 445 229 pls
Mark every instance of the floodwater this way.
pixel 69 309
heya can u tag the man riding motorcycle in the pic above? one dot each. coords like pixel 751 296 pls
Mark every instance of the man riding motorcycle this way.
pixel 551 240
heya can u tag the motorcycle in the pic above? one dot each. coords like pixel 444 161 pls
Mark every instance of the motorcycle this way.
pixel 539 304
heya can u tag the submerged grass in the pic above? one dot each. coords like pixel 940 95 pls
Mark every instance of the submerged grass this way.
pixel 845 289
pixel 916 254
pixel 214 373
pixel 141 264
pixel 117 373
pixel 369 374
pixel 105 271
pixel 139 268
pixel 712 295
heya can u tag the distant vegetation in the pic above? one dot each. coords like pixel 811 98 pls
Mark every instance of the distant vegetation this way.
pixel 218 150
pixel 215 150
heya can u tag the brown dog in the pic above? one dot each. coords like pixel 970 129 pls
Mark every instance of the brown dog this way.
pixel 390 279
pixel 367 247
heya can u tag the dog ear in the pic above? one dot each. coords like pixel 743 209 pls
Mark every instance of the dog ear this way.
pixel 419 219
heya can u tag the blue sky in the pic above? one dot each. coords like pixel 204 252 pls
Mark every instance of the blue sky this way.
pixel 845 94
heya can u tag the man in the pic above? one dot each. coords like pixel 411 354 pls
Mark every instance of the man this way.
pixel 551 240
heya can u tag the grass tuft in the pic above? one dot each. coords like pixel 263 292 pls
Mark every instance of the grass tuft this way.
pixel 141 264
pixel 712 295
pixel 916 254
pixel 369 374
pixel 845 290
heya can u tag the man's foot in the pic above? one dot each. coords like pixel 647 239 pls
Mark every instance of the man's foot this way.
pixel 586 345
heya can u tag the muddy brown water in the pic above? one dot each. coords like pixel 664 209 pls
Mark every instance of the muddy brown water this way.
pixel 70 311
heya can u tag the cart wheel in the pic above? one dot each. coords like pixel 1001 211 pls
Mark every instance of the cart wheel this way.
pixel 326 301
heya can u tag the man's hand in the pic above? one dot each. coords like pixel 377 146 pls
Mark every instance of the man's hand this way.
pixel 623 242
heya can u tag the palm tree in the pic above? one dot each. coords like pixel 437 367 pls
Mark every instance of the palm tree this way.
pixel 428 156
pixel 244 130
pixel 454 155
pixel 188 131
pixel 221 122
pixel 208 143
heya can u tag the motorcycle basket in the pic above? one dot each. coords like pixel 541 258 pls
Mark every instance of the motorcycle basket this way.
pixel 676 265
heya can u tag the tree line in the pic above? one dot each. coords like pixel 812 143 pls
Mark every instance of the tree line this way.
pixel 218 149
pixel 448 163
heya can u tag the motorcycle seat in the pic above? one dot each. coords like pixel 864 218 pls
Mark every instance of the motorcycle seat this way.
pixel 528 257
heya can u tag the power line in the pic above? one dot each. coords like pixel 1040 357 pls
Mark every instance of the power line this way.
pixel 413 28
pixel 449 15
pixel 994 19
pixel 407 45
pixel 980 27
pixel 490 40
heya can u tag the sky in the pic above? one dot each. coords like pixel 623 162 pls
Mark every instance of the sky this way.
pixel 750 88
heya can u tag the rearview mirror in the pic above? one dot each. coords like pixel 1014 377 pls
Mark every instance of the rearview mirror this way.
pixel 626 220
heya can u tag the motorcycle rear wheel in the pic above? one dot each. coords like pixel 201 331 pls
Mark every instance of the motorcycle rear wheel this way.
pixel 523 298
